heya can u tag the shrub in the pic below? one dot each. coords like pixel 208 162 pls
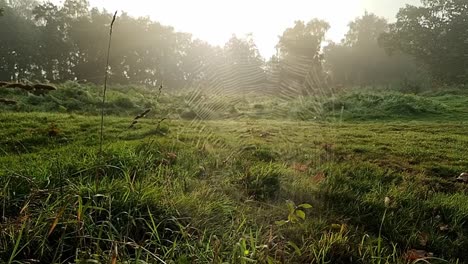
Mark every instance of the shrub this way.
pixel 188 114
pixel 124 102
pixel 369 104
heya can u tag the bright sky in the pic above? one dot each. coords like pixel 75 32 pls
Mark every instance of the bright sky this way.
pixel 216 20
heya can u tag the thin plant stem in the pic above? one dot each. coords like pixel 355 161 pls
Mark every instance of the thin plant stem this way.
pixel 106 78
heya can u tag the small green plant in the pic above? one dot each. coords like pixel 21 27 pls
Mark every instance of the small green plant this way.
pixel 296 213
pixel 373 251
pixel 332 247
pixel 246 250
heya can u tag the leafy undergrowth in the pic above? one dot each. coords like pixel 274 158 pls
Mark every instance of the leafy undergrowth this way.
pixel 391 105
pixel 72 97
pixel 231 191
pixel 357 105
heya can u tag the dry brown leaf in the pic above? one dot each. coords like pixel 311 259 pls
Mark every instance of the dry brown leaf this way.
pixel 56 220
pixel 25 207
pixel 115 253
pixel 319 177
pixel 463 177
pixel 387 201
pixel 328 147
pixel 300 167
pixel 24 218
pixel 423 239
pixel 171 156
pixel 444 228
pixel 414 254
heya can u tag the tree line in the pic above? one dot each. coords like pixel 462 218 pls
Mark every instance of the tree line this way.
pixel 42 41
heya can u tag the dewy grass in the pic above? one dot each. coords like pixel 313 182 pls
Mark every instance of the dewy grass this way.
pixel 181 198
pixel 74 98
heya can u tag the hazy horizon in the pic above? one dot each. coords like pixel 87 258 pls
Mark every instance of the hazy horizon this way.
pixel 216 21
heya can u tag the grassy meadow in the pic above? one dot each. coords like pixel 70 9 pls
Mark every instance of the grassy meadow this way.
pixel 362 177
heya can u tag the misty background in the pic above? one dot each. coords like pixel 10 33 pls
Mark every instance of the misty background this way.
pixel 318 46
pixel 215 21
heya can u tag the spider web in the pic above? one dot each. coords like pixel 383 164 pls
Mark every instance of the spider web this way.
pixel 298 88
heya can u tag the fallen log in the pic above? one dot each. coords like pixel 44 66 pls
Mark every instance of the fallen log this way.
pixel 44 87
pixel 7 101
pixel 21 86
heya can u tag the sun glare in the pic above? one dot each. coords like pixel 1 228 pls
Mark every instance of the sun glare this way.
pixel 215 21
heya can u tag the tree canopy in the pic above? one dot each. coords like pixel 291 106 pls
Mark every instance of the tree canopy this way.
pixel 359 60
pixel 435 33
pixel 43 41
pixel 299 61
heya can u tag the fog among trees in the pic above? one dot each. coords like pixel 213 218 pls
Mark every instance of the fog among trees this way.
pixel 47 42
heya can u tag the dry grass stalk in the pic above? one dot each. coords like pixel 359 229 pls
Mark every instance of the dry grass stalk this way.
pixel 106 78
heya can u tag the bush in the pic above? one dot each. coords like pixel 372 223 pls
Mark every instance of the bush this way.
pixel 188 114
pixel 84 98
pixel 124 102
pixel 369 104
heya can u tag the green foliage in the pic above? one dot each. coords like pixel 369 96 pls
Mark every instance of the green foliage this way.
pixel 124 103
pixel 60 42
pixel 359 60
pixel 244 64
pixel 303 39
pixel 83 98
pixel 295 213
pixel 385 105
pixel 46 41
pixel 299 57
pixel 361 104
pixel 434 33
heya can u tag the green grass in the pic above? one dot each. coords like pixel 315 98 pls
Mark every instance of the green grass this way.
pixel 355 105
pixel 212 192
